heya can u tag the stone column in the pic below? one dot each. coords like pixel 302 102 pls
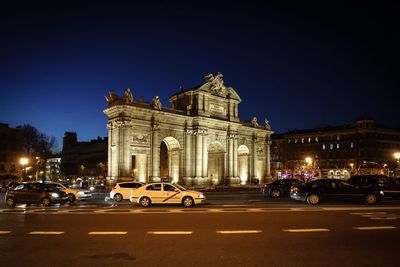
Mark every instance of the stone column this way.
pixel 199 153
pixel 230 156
pixel 235 157
pixel 188 154
pixel 254 158
pixel 268 157
pixel 205 155
pixel 155 150
pixel 110 173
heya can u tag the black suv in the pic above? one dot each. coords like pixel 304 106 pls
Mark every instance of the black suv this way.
pixel 389 186
pixel 35 192
pixel 279 188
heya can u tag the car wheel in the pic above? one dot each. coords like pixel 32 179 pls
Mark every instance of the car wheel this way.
pixel 145 202
pixel 46 202
pixel 71 198
pixel 275 193
pixel 187 201
pixel 313 199
pixel 118 197
pixel 10 202
pixel 370 199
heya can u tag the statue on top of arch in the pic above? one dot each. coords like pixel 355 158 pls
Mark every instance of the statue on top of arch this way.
pixel 113 98
pixel 217 84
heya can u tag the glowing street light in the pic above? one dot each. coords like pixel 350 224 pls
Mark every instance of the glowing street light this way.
pixel 24 161
pixel 396 155
pixel 309 160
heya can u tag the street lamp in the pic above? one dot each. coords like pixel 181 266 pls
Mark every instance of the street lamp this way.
pixel 396 155
pixel 24 161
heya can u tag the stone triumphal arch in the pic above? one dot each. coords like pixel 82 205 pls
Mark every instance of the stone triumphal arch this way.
pixel 200 140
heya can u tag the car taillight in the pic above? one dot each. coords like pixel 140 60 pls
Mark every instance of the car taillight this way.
pixel 294 189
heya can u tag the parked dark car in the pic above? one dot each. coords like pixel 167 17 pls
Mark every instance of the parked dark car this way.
pixel 390 186
pixel 279 188
pixel 333 189
pixel 35 192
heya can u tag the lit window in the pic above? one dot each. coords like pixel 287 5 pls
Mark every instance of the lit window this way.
pixel 331 146
pixel 337 146
pixel 309 139
pixel 338 137
pixel 316 139
pixel 288 141
pixel 302 140
pixel 352 145
pixel 295 141
pixel 323 146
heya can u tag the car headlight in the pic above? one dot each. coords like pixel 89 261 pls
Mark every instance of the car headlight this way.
pixel 81 193
pixel 91 188
pixel 55 195
pixel 201 196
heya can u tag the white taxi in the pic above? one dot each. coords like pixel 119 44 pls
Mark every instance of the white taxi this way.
pixel 73 194
pixel 165 193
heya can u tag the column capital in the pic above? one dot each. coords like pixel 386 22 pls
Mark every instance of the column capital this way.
pixel 119 123
pixel 155 127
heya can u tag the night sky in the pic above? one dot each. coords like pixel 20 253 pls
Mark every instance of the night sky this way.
pixel 300 64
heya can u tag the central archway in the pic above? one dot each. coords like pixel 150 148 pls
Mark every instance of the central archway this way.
pixel 169 159
pixel 216 163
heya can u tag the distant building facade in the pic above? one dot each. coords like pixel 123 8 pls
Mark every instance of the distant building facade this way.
pixel 83 158
pixel 335 152
pixel 199 141
pixel 11 150
pixel 53 169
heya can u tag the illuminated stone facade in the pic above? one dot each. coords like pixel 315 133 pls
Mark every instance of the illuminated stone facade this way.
pixel 200 140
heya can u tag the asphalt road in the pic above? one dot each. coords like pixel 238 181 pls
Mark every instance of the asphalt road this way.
pixel 231 229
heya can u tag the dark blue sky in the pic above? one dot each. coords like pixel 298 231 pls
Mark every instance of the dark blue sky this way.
pixel 300 64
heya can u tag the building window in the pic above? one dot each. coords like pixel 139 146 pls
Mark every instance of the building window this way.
pixel 295 141
pixel 331 146
pixel 338 138
pixel 309 139
pixel 323 146
pixel 337 146
pixel 288 141
pixel 316 139
pixel 352 145
pixel 302 140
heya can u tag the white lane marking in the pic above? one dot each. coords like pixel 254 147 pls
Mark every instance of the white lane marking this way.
pixel 170 232
pixel 107 233
pixel 4 232
pixel 235 205
pixel 45 233
pixel 383 218
pixel 306 230
pixel 367 214
pixel 374 227
pixel 176 211
pixel 238 232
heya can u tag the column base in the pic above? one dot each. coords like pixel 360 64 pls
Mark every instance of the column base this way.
pixel 188 181
pixel 234 181
pixel 154 179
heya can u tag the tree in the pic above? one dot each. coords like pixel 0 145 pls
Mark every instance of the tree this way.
pixel 37 143
pixel 38 146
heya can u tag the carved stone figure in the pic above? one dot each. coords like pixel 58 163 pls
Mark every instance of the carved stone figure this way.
pixel 112 96
pixel 266 125
pixel 217 84
pixel 254 122
pixel 157 103
pixel 128 96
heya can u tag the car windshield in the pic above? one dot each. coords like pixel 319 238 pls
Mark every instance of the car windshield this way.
pixel 180 187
